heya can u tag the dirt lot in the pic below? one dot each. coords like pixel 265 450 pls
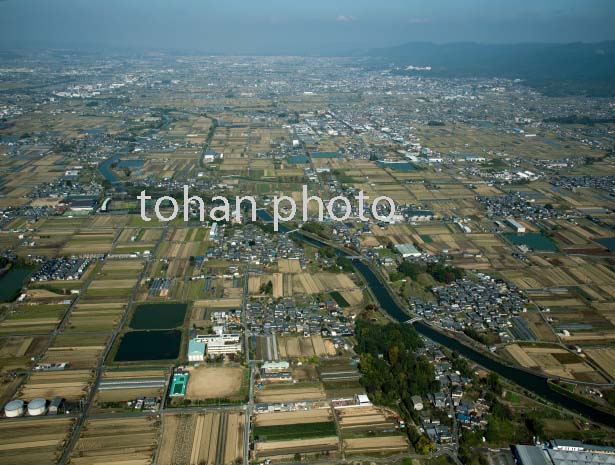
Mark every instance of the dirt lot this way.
pixel 214 382
pixel 208 439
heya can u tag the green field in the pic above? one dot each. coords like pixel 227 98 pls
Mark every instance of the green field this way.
pixel 339 299
pixel 300 431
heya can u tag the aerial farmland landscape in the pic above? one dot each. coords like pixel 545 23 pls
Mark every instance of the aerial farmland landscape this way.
pixel 337 235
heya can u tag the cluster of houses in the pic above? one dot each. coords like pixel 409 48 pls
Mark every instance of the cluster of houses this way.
pixel 288 316
pixel 250 244
pixel 61 269
pixel 488 304
pixel 517 205
pixel 449 399
pixel 606 183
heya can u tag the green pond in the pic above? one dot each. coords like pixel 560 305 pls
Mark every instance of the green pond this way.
pixel 149 345
pixel 158 316
pixel 608 242
pixel 298 159
pixel 534 241
pixel 12 281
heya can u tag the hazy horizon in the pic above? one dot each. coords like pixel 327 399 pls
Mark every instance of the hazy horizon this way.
pixel 282 27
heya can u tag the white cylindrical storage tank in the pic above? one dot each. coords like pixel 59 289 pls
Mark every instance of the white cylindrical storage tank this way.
pixel 14 408
pixel 37 407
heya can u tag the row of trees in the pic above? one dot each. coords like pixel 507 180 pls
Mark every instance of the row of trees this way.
pixel 440 272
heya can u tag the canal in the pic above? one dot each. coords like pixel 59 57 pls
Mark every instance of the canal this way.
pixel 531 382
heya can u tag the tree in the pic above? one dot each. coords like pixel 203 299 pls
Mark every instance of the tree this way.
pixel 345 264
pixel 424 445
pixel 411 269
pixel 494 383
pixel 267 288
pixel 391 371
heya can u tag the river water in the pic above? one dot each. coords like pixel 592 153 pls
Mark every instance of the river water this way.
pixel 531 382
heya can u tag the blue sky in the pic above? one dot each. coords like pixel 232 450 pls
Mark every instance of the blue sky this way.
pixel 292 26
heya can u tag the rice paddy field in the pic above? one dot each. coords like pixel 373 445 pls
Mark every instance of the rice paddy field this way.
pixel 604 358
pixel 36 441
pixel 114 440
pixel 290 392
pixel 301 347
pixel 302 283
pixel 80 351
pixel 299 432
pixel 91 315
pixel 115 281
pixel 553 361
pixel 196 439
pixel 97 241
pixel 35 319
pixel 69 384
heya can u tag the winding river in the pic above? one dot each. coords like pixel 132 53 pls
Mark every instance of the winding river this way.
pixel 531 382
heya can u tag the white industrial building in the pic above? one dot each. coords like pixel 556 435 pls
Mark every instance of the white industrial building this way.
pixel 207 338
pixel 272 367
pixel 221 347
pixel 518 227
pixel 407 250
pixel 216 344
pixel 213 232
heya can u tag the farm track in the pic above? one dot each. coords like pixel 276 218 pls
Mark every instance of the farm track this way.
pixel 221 443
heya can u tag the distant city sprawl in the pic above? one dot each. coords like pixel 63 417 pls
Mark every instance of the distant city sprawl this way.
pixel 338 209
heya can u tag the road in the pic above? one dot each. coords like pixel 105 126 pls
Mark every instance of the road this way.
pixel 101 364
pixel 249 408
pixel 390 459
